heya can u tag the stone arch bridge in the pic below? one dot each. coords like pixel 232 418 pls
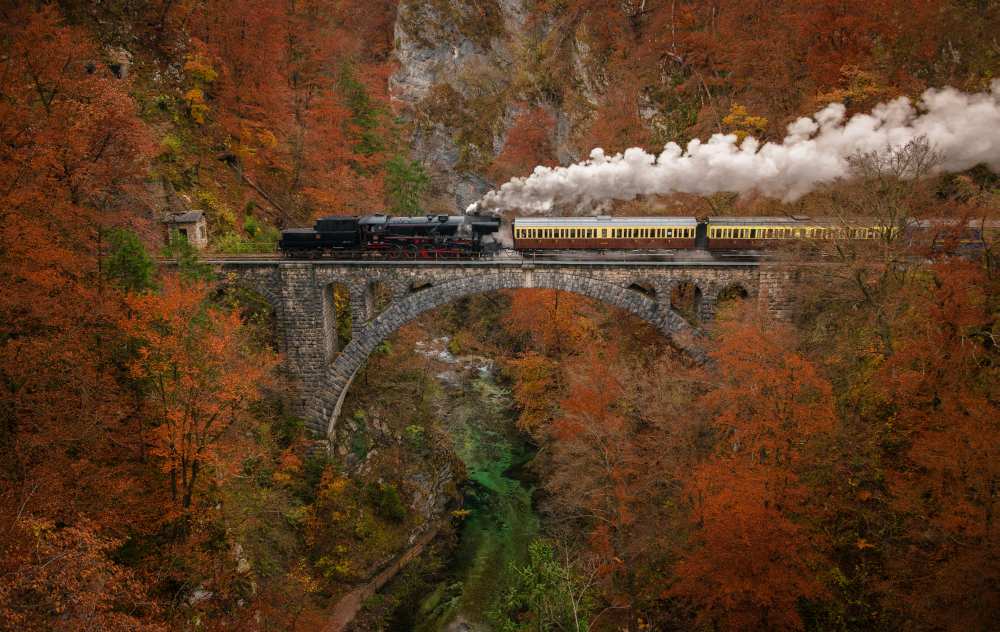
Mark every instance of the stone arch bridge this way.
pixel 385 295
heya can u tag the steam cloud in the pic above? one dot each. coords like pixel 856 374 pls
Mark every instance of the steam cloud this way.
pixel 964 129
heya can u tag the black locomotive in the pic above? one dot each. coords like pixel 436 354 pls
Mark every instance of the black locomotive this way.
pixel 390 237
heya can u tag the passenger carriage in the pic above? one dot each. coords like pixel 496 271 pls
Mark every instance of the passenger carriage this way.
pixel 755 233
pixel 604 233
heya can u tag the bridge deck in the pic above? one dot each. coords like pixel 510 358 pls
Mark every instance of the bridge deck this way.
pixel 491 263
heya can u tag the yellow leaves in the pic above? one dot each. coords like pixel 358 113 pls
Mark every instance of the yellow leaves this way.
pixel 197 107
pixel 742 123
pixel 534 387
pixel 200 69
pixel 861 87
pixel 862 544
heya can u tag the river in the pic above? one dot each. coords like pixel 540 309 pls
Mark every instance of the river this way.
pixel 479 416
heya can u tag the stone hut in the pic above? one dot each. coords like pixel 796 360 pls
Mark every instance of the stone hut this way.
pixel 190 225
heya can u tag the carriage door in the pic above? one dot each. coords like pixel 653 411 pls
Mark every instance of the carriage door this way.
pixel 701 235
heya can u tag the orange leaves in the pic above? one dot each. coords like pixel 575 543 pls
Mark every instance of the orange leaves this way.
pixel 554 320
pixel 944 391
pixel 202 376
pixel 752 559
pixel 534 385
pixel 529 144
pixel 769 397
pixel 62 578
pixel 752 563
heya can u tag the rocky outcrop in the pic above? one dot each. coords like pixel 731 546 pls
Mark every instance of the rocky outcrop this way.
pixel 455 82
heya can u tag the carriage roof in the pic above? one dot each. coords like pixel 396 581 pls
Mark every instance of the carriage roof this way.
pixel 550 222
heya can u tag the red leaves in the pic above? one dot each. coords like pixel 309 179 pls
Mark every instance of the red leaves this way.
pixel 753 559
pixel 529 144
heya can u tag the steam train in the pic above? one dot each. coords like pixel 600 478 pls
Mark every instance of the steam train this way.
pixel 385 236
pixel 459 236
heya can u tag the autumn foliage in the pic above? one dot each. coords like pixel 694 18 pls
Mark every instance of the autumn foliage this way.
pixel 837 469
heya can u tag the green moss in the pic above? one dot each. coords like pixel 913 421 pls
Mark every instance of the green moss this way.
pixel 386 501
pixel 476 121
pixel 478 22
pixel 257 236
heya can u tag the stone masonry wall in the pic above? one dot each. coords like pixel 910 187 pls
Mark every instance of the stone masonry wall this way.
pixel 299 293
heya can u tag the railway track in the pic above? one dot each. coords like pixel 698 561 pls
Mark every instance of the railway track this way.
pixel 510 257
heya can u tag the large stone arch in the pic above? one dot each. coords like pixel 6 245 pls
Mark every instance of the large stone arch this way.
pixel 327 398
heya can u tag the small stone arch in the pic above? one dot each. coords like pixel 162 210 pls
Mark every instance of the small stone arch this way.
pixel 645 287
pixel 733 291
pixel 378 296
pixel 686 298
pixel 327 399
pixel 339 306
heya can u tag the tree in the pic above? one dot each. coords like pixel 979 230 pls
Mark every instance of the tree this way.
pixel 61 577
pixel 552 319
pixel 202 379
pixel 753 559
pixel 128 265
pixel 546 595
pixel 529 144
pixel 598 468
pixel 941 388
pixel 405 185
pixel 189 263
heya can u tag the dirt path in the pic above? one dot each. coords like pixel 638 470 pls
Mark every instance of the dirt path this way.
pixel 350 604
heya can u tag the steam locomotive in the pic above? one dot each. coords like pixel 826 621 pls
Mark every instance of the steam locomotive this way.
pixel 389 237
pixel 458 236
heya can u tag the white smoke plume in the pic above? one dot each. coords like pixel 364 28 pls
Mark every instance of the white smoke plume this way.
pixel 964 130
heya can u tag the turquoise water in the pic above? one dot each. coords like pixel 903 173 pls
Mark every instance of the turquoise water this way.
pixel 502 520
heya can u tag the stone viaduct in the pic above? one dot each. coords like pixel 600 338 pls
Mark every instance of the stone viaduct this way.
pixel 385 295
